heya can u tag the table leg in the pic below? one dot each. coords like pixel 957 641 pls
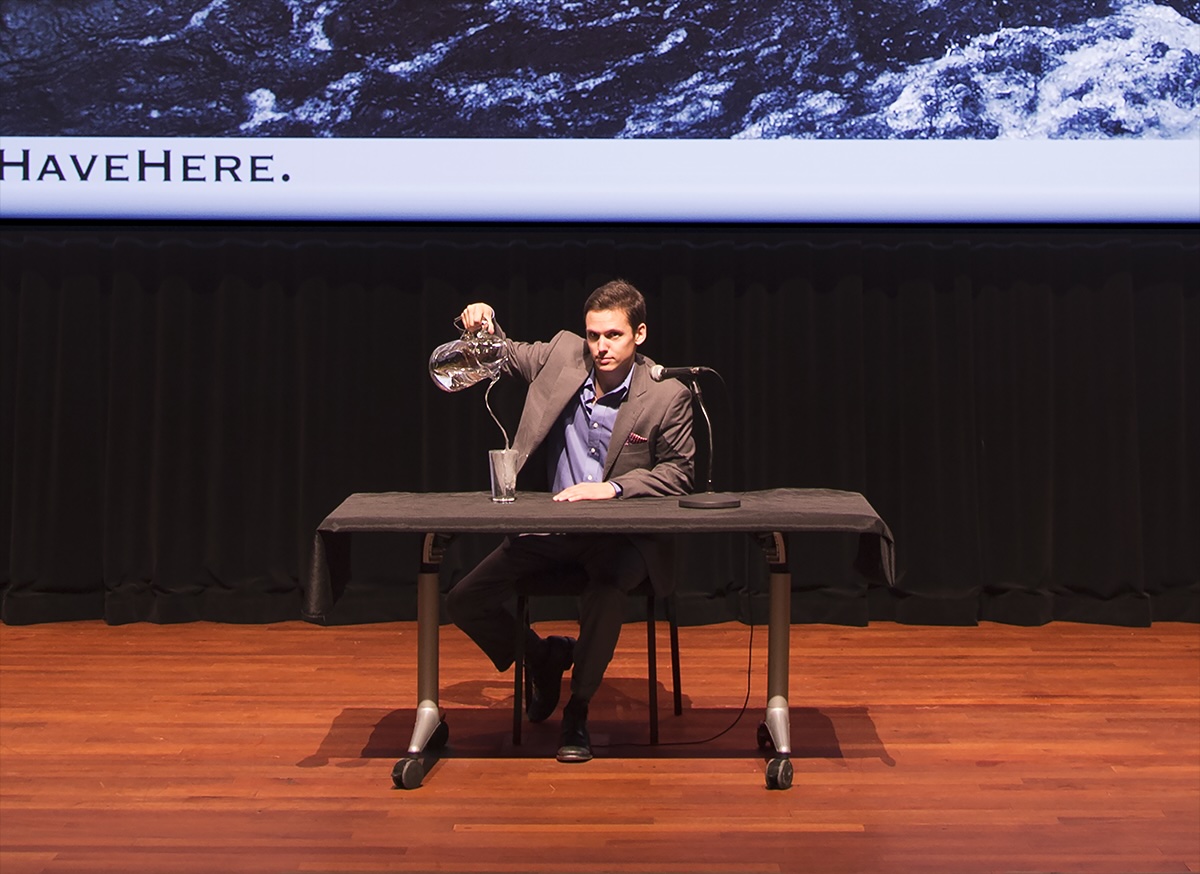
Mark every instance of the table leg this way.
pixel 429 714
pixel 778 657
pixel 775 731
pixel 430 731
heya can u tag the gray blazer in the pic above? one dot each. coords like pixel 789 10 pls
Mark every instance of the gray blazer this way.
pixel 651 451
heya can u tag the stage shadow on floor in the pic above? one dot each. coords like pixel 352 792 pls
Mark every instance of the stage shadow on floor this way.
pixel 479 718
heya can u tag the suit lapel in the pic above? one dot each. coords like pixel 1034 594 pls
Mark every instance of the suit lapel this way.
pixel 566 386
pixel 572 370
pixel 628 414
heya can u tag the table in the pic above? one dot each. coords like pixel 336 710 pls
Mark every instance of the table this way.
pixel 769 516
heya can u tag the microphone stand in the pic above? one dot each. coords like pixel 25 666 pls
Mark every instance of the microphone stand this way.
pixel 708 499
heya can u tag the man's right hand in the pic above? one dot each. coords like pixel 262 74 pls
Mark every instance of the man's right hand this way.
pixel 478 315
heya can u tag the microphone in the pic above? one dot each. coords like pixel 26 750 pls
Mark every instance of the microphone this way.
pixel 658 373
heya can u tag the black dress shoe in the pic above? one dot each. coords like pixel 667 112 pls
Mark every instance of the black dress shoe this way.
pixel 547 674
pixel 576 745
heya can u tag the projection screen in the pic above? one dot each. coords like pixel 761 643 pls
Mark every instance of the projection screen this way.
pixel 601 110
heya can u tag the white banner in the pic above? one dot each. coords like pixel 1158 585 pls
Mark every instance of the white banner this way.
pixel 1117 180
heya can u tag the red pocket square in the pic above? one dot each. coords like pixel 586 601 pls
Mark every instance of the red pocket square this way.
pixel 635 437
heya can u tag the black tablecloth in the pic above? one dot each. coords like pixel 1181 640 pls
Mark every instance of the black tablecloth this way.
pixel 782 510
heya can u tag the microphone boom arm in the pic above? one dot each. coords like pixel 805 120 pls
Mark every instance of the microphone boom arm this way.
pixel 707 500
pixel 699 395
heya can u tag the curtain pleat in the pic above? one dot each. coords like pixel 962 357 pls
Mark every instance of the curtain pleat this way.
pixel 182 405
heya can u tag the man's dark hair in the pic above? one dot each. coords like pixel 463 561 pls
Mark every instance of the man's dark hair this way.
pixel 618 295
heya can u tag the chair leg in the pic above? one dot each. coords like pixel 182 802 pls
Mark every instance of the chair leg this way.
pixel 522 681
pixel 519 667
pixel 652 667
pixel 673 619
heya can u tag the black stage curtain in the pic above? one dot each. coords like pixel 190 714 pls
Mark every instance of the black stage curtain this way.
pixel 182 405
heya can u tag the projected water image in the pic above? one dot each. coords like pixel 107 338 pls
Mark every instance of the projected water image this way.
pixel 827 69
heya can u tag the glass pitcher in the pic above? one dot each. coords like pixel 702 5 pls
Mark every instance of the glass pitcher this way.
pixel 465 361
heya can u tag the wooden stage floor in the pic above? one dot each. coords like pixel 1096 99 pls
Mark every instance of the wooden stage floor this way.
pixel 221 749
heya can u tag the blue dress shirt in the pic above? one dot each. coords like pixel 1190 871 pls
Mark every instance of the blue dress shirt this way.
pixel 587 425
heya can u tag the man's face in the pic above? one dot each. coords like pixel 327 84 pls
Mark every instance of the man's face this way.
pixel 613 343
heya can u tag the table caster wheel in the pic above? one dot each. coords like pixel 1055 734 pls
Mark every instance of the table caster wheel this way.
pixel 440 735
pixel 408 773
pixel 765 742
pixel 779 774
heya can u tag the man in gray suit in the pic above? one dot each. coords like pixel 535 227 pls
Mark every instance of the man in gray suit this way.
pixel 611 432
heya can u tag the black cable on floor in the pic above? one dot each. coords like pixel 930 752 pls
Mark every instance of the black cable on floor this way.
pixel 719 734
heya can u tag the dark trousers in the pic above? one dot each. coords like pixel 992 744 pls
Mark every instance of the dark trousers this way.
pixel 606 566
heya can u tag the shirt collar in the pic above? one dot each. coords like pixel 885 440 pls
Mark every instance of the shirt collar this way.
pixel 617 394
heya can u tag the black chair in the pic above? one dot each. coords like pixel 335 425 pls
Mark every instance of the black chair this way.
pixel 523 685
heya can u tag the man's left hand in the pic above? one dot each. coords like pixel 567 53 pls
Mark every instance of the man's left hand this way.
pixel 586 492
